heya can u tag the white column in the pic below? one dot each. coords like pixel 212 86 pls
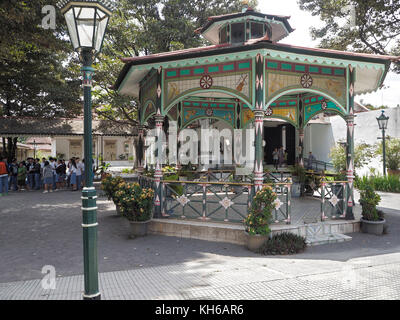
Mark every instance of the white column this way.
pixel 54 147
pixel 284 137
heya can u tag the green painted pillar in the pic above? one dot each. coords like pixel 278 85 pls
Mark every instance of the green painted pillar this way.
pixel 301 133
pixel 140 154
pixel 89 207
pixel 259 124
pixel 350 147
pixel 159 119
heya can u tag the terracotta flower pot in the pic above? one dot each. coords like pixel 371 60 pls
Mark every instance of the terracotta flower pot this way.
pixel 254 242
pixel 372 227
pixel 118 209
pixel 138 228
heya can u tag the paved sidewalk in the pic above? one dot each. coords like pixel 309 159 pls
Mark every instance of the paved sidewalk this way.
pixel 248 279
pixel 45 229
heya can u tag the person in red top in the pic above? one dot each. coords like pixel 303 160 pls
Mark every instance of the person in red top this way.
pixel 3 177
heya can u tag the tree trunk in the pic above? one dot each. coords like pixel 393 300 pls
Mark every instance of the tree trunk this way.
pixel 11 148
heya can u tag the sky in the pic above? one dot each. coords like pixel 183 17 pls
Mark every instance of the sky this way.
pixel 302 21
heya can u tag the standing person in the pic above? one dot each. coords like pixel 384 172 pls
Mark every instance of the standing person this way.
pixel 311 158
pixel 31 173
pixel 60 174
pixel 47 177
pixel 281 156
pixel 21 178
pixel 275 158
pixel 79 173
pixel 3 178
pixel 53 165
pixel 13 169
pixel 285 155
pixel 72 171
pixel 41 170
pixel 37 172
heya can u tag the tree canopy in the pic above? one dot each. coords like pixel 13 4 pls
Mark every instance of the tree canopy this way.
pixel 372 26
pixel 143 27
pixel 37 76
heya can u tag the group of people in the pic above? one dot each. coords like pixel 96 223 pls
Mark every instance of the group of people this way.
pixel 47 175
pixel 279 157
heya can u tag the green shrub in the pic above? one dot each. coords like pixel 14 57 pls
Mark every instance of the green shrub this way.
pixel 110 185
pixel 136 202
pixel 369 199
pixel 392 153
pixel 260 213
pixel 363 153
pixel 284 243
pixel 178 188
pixel 379 183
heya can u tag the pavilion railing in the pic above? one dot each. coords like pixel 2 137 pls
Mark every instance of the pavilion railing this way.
pixel 219 201
pixel 332 195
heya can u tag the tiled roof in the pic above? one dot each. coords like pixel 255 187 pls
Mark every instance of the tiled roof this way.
pixel 21 126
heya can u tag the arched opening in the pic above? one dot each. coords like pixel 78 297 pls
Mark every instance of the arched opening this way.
pixel 298 121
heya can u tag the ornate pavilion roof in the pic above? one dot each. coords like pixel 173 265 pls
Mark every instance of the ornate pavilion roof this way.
pixel 372 69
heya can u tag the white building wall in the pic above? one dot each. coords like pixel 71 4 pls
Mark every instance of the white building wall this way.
pixel 319 139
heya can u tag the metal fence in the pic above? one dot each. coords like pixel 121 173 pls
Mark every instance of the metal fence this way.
pixel 212 198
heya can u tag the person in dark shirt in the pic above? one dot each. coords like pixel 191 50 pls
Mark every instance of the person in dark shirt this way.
pixel 13 169
pixel 36 172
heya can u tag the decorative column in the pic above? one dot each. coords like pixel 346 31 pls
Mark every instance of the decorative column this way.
pixel 350 147
pixel 139 147
pixel 301 133
pixel 259 124
pixel 159 119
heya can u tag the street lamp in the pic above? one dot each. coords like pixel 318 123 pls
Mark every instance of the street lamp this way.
pixel 87 22
pixel 383 123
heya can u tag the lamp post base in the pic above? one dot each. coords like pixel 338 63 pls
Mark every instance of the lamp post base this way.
pixel 92 297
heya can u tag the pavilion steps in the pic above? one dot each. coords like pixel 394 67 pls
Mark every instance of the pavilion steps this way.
pixel 327 239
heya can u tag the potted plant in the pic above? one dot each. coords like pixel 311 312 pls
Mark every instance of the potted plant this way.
pixel 235 180
pixel 170 174
pixel 110 186
pixel 299 177
pixel 136 206
pixel 372 220
pixel 258 219
pixel 186 173
pixel 103 170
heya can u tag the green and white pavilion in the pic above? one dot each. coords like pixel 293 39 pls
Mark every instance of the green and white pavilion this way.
pixel 246 78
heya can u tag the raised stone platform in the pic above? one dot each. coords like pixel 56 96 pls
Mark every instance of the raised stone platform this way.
pixel 317 233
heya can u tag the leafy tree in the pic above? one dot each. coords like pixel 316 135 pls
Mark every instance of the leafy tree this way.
pixel 143 27
pixel 363 153
pixel 392 152
pixel 373 25
pixel 38 77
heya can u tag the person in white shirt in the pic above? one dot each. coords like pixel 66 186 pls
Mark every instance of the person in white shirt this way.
pixel 79 171
pixel 53 164
pixel 72 171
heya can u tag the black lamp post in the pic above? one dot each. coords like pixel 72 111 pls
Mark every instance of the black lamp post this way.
pixel 383 123
pixel 87 23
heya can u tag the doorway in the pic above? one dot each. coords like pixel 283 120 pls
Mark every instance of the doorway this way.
pixel 280 135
